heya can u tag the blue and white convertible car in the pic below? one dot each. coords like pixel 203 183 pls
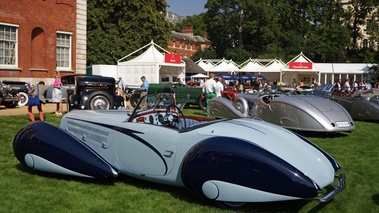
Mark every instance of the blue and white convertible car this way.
pixel 232 161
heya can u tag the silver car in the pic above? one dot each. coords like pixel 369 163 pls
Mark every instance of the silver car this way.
pixel 68 82
pixel 295 112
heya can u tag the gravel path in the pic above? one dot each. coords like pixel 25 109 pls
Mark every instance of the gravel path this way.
pixel 49 107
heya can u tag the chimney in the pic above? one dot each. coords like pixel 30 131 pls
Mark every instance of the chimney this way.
pixel 205 35
pixel 188 30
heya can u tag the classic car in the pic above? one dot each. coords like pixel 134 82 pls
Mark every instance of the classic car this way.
pixel 68 83
pixel 362 105
pixel 8 96
pixel 92 92
pixel 23 90
pixel 231 161
pixel 295 112
pixel 181 91
pixel 229 94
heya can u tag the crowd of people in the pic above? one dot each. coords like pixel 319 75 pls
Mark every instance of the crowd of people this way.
pixel 349 87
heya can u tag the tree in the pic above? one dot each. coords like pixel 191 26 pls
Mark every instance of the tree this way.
pixel 116 28
pixel 206 54
pixel 196 21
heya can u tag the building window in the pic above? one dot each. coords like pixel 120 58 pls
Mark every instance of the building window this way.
pixel 8 45
pixel 63 50
pixel 365 43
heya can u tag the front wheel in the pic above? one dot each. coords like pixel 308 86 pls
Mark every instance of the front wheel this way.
pixel 24 98
pixel 100 100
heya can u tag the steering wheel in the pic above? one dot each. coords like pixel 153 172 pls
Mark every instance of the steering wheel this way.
pixel 170 119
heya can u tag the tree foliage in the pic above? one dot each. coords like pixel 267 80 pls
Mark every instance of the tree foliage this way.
pixel 322 29
pixel 116 28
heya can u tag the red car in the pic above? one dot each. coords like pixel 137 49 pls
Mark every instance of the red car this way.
pixel 230 94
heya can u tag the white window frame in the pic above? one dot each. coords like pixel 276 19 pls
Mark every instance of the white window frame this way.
pixel 68 50
pixel 15 48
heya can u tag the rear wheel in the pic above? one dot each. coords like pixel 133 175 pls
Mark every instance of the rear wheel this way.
pixel 233 205
pixel 24 98
pixel 12 104
pixel 100 100
pixel 201 102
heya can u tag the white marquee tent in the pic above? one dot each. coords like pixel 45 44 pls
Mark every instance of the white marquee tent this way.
pixel 151 64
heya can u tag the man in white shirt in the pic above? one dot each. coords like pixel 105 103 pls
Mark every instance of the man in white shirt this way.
pixel 209 89
pixel 219 87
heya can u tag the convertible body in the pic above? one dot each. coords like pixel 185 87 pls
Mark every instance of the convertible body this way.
pixel 361 105
pixel 227 160
pixel 295 112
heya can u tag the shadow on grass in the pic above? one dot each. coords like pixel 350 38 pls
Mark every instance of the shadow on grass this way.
pixel 180 192
pixel 375 198
pixel 323 134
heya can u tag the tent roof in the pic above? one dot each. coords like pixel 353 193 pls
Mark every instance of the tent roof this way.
pixel 206 65
pixel 150 56
pixel 274 66
pixel 225 66
pixel 251 66
pixel 353 68
pixel 192 67
pixel 200 75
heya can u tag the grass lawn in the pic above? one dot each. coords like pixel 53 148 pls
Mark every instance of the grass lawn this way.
pixel 25 190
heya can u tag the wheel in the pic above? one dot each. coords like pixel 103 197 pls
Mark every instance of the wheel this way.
pixel 24 98
pixel 12 104
pixel 134 99
pixel 171 119
pixel 233 205
pixel 241 105
pixel 99 100
pixel 201 102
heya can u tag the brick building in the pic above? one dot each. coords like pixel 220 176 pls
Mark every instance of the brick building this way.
pixel 38 37
pixel 186 43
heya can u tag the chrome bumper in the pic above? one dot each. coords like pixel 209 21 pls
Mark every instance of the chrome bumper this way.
pixel 335 189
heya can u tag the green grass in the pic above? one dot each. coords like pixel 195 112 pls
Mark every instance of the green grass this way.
pixel 26 190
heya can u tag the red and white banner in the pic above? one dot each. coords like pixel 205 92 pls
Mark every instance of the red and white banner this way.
pixel 172 58
pixel 300 65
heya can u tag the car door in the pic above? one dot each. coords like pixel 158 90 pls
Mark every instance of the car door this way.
pixel 148 151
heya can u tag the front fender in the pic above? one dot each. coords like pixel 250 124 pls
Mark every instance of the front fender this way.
pixel 45 147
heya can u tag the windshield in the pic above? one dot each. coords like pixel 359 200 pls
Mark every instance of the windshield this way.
pixel 156 101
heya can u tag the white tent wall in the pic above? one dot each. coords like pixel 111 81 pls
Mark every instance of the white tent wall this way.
pixel 105 70
pixel 154 73
pixel 151 64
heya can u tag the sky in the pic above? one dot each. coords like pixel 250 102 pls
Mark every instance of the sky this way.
pixel 186 7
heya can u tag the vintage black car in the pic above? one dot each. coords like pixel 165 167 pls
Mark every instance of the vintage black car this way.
pixel 23 90
pixel 92 92
pixel 8 96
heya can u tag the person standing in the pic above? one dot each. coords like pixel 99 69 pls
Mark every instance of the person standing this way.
pixel 121 86
pixel 209 89
pixel 57 93
pixel 144 86
pixel 256 85
pixel 40 90
pixel 219 87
